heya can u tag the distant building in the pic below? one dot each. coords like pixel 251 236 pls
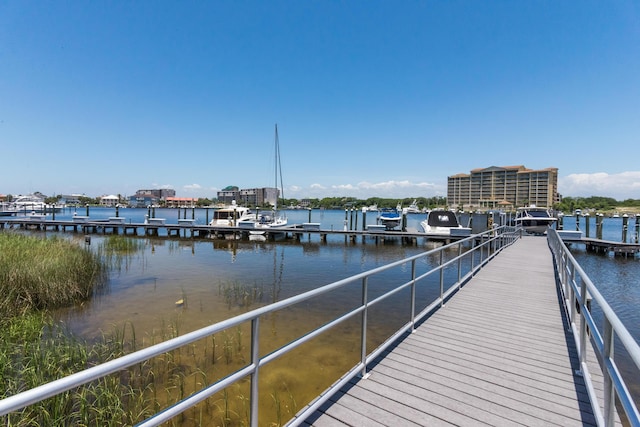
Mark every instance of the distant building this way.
pixel 110 200
pixel 144 198
pixel 70 199
pixel 181 202
pixel 249 197
pixel 506 187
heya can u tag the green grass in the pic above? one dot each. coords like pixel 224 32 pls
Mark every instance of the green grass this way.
pixel 42 273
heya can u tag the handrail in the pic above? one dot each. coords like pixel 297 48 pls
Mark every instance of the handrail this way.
pixel 579 294
pixel 486 245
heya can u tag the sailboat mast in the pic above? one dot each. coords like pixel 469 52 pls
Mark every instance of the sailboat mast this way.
pixel 278 169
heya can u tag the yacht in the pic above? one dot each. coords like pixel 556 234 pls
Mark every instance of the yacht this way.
pixel 413 208
pixel 30 203
pixel 233 216
pixel 534 220
pixel 445 223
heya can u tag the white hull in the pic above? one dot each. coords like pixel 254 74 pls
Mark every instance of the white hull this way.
pixel 534 220
pixel 445 224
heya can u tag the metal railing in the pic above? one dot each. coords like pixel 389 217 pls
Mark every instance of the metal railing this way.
pixel 470 255
pixel 579 294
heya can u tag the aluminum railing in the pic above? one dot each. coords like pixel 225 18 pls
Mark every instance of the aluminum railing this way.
pixel 580 295
pixel 472 254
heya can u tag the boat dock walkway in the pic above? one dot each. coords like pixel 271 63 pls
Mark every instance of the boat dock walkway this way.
pixel 188 228
pixel 599 245
pixel 499 353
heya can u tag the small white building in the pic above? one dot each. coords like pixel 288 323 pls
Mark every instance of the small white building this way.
pixel 110 200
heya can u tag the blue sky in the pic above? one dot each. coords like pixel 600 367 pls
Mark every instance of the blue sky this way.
pixel 371 98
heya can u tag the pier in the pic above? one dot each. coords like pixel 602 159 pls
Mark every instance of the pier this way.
pixel 508 340
pixel 498 353
pixel 599 245
pixel 189 229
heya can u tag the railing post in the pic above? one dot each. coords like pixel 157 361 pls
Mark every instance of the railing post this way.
pixel 255 360
pixel 459 264
pixel 571 294
pixel 413 295
pixel 583 321
pixel 363 332
pixel 473 253
pixel 441 279
pixel 609 392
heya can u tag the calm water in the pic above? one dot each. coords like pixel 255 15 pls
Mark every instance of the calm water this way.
pixel 143 289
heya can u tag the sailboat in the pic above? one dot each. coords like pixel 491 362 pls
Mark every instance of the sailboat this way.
pixel 272 219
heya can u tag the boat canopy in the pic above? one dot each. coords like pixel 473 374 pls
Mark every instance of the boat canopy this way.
pixel 442 219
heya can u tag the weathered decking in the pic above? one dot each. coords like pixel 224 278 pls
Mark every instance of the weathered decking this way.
pixel 499 353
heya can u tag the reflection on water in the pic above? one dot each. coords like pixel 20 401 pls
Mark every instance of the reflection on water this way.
pixel 216 280
pixel 219 279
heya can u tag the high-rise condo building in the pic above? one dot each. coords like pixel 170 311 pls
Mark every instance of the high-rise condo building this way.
pixel 503 187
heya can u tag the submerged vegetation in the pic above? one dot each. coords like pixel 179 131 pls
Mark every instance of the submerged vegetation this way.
pixel 38 274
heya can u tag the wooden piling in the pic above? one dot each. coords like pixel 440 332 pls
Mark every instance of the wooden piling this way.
pixel 586 224
pixel 599 218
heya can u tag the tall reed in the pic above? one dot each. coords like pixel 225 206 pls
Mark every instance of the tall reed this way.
pixel 40 273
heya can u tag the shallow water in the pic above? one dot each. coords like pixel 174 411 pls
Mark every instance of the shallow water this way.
pixel 220 279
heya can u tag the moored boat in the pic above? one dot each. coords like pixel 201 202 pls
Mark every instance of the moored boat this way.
pixel 233 216
pixel 412 208
pixel 534 220
pixel 273 219
pixel 444 223
pixel 390 218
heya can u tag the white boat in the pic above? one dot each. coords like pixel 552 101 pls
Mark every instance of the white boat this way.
pixel 30 203
pixel 233 216
pixel 413 208
pixel 390 218
pixel 7 210
pixel 269 220
pixel 444 223
pixel 534 220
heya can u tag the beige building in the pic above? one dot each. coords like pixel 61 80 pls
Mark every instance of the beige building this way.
pixel 505 187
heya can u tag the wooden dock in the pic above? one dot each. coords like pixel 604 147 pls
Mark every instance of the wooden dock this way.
pixel 498 353
pixel 599 245
pixel 189 229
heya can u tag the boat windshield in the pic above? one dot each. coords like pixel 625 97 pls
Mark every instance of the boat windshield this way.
pixel 442 219
pixel 538 214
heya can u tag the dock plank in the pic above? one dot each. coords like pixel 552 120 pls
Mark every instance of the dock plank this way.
pixel 498 353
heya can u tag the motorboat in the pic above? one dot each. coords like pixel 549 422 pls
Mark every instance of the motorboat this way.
pixel 412 208
pixel 30 203
pixel 390 218
pixel 441 222
pixel 233 216
pixel 534 220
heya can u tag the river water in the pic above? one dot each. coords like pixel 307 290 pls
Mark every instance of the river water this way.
pixel 208 276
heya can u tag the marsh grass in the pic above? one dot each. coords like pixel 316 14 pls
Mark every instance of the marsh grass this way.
pixel 118 251
pixel 236 293
pixel 39 273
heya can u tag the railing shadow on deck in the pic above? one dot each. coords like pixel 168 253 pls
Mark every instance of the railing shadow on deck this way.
pixel 581 297
pixel 464 257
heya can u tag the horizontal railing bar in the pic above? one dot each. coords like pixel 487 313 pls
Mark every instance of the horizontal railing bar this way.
pixel 197 397
pixel 309 336
pixel 42 392
pixel 572 270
